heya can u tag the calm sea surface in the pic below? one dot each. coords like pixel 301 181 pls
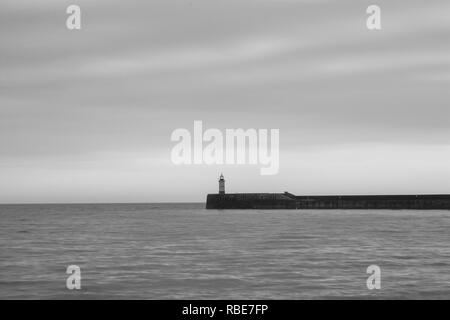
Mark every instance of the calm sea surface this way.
pixel 172 251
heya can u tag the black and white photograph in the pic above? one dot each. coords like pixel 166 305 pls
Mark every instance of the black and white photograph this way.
pixel 224 151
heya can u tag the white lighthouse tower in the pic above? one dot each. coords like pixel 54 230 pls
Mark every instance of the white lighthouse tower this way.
pixel 221 184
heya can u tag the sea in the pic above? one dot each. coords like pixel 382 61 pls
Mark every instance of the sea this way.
pixel 182 251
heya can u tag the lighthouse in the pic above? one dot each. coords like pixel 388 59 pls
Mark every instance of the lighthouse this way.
pixel 221 184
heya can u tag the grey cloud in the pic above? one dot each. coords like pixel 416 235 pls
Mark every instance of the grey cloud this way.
pixel 139 69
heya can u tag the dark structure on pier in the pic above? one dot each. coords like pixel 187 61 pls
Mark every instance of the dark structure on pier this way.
pixel 289 201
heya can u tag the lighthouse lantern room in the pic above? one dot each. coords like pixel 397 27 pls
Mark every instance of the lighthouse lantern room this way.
pixel 221 184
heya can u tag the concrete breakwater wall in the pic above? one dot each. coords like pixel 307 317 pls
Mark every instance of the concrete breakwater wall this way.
pixel 289 201
pixel 250 201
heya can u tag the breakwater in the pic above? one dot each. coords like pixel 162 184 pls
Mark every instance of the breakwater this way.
pixel 289 201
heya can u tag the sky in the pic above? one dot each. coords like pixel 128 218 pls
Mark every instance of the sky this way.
pixel 87 115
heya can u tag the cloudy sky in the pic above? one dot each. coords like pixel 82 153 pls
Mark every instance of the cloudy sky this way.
pixel 86 116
